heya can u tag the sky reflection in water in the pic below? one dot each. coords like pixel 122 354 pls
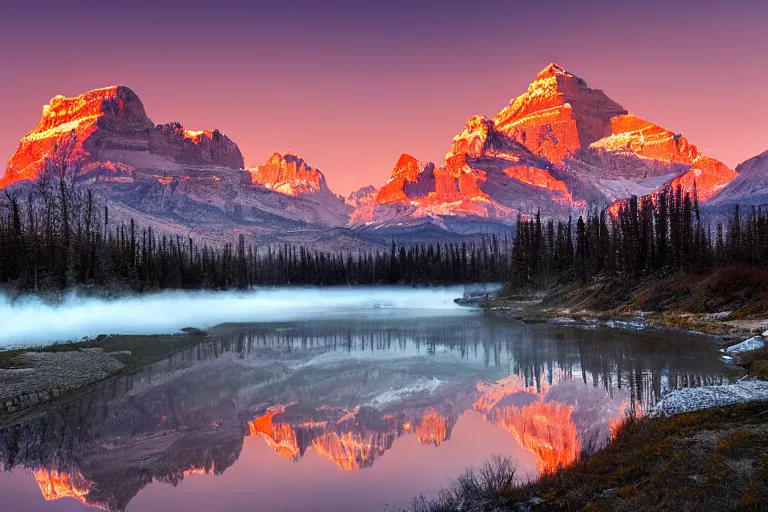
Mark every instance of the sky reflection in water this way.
pixel 347 414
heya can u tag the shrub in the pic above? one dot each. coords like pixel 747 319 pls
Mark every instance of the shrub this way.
pixel 476 490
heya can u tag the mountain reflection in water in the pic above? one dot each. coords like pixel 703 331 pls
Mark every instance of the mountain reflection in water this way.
pixel 348 391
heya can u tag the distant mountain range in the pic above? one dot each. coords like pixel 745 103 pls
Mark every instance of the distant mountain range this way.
pixel 559 148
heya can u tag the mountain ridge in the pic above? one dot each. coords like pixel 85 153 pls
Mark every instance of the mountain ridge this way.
pixel 560 147
pixel 181 180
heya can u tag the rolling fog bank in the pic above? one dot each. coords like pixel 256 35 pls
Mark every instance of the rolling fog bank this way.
pixel 33 322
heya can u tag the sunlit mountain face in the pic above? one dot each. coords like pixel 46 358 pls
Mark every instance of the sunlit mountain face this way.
pixel 560 147
pixel 169 176
pixel 110 126
pixel 322 402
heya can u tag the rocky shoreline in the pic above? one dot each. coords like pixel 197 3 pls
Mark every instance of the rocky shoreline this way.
pixel 39 377
pixel 724 330
pixel 33 377
pixel 696 399
pixel 699 448
pixel 740 341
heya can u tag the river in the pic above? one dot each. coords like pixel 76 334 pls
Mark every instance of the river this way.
pixel 352 411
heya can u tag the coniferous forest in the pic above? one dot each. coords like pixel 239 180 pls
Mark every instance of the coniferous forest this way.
pixel 57 237
pixel 636 239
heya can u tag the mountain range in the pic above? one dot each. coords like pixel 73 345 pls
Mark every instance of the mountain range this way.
pixel 560 148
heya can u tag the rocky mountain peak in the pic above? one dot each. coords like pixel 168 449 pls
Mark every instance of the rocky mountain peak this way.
pixel 558 114
pixel 362 196
pixel 117 104
pixel 473 139
pixel 407 167
pixel 405 173
pixel 481 138
pixel 111 125
pixel 553 70
pixel 289 174
pixel 117 109
pixel 561 147
pixel 195 147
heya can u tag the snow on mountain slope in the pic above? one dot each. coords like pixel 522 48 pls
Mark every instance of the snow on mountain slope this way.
pixel 560 147
pixel 179 178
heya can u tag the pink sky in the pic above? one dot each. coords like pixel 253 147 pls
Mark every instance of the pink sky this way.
pixel 350 89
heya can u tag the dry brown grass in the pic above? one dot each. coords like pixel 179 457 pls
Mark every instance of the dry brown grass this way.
pixel 714 459
pixel 740 288
pixel 756 363
pixel 708 460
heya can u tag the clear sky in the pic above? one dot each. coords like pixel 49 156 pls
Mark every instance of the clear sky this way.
pixel 350 85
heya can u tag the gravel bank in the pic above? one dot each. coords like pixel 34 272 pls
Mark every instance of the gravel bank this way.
pixel 694 399
pixel 38 377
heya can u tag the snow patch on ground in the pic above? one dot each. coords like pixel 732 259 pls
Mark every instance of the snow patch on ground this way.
pixel 754 343
pixel 694 399
pixel 622 324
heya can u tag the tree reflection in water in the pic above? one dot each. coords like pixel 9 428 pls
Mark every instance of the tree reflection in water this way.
pixel 348 390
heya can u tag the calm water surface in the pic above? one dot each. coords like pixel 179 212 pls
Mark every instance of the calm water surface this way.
pixel 348 414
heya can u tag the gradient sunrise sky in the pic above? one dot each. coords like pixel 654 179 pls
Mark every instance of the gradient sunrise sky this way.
pixel 352 85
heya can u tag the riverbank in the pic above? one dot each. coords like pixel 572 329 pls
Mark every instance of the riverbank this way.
pixel 707 460
pixel 30 378
pixel 730 304
pixel 726 332
pixel 701 449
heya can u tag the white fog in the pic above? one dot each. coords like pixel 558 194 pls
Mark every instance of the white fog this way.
pixel 33 322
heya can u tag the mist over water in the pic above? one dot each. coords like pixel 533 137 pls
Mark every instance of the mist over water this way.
pixel 373 395
pixel 33 322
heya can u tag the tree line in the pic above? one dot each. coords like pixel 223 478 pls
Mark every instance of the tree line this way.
pixel 635 238
pixel 56 237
